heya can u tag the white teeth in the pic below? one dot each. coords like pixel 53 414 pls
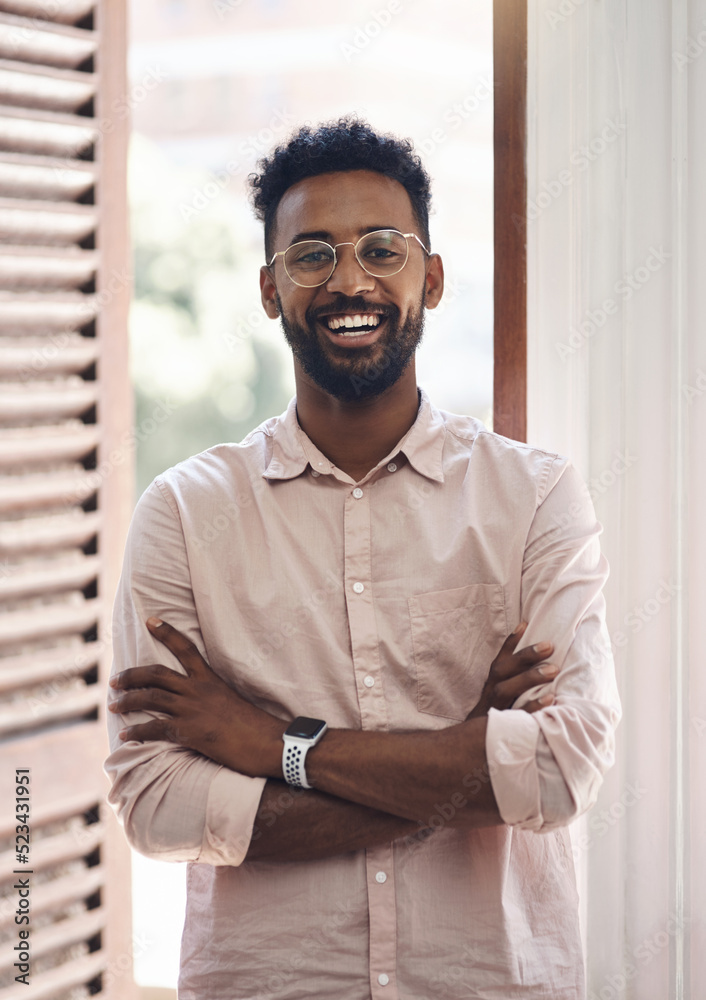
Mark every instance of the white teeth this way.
pixel 350 322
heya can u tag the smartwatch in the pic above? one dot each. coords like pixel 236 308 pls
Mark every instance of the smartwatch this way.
pixel 299 737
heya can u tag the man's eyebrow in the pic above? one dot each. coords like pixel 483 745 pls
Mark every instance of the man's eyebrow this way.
pixel 318 234
pixel 375 229
pixel 322 234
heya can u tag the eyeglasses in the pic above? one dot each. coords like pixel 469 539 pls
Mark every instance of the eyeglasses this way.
pixel 382 254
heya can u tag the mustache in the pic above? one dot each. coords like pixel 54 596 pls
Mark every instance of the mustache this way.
pixel 350 304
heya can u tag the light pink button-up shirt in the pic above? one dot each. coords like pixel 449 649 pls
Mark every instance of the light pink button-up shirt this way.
pixel 379 606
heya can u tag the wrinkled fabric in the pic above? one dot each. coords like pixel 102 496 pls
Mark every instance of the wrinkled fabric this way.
pixel 376 605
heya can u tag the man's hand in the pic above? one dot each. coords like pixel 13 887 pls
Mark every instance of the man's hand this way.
pixel 201 711
pixel 511 674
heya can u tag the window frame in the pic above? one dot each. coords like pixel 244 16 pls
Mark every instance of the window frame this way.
pixel 510 213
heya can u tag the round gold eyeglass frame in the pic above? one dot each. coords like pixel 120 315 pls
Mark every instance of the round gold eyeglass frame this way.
pixel 366 236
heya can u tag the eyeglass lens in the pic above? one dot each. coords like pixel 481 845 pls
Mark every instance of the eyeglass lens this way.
pixel 381 254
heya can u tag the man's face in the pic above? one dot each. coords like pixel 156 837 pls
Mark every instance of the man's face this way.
pixel 343 361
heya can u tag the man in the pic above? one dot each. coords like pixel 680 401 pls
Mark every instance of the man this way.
pixel 333 602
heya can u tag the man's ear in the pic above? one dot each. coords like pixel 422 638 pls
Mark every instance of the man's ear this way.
pixel 434 282
pixel 268 292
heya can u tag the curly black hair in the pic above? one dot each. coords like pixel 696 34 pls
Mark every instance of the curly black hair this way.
pixel 347 144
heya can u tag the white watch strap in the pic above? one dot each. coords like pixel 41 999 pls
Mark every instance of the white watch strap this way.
pixel 293 756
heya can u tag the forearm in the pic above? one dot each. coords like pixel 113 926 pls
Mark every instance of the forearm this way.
pixel 305 825
pixel 410 775
pixel 177 805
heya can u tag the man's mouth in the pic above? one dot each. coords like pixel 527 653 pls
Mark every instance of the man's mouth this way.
pixel 352 324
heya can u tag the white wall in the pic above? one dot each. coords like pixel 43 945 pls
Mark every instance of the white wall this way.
pixel 616 242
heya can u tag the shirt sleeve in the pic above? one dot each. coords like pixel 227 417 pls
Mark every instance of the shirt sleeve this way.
pixel 546 768
pixel 174 803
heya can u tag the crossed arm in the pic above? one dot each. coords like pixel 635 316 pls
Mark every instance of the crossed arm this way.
pixel 370 787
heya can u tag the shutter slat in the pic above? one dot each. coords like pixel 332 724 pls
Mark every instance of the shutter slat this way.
pixel 35 358
pixel 45 312
pixel 60 893
pixel 45 534
pixel 28 131
pixel 56 708
pixel 49 621
pixel 62 11
pixel 60 399
pixel 47 88
pixel 45 357
pixel 44 177
pixel 32 41
pixel 79 790
pixel 61 934
pixel 26 446
pixel 32 492
pixel 46 985
pixel 46 224
pixel 28 579
pixel 73 805
pixel 56 850
pixel 24 267
pixel 47 664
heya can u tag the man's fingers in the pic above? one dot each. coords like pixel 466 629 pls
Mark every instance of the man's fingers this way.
pixel 155 729
pixel 154 675
pixel 538 703
pixel 510 690
pixel 144 700
pixel 512 674
pixel 532 654
pixel 176 642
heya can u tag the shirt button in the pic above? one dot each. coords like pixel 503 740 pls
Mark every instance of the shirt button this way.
pixel 357 493
pixel 369 681
pixel 358 588
pixel 383 979
pixel 391 467
pixel 315 473
pixel 381 877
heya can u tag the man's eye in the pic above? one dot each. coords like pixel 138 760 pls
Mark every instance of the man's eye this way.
pixel 314 257
pixel 380 253
pixel 310 258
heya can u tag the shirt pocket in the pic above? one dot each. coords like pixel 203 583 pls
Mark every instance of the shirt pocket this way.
pixel 456 634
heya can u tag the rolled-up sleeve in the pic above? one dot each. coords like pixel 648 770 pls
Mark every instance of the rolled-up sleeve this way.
pixel 546 768
pixel 175 804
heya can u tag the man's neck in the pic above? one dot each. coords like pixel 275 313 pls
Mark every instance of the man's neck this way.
pixel 355 436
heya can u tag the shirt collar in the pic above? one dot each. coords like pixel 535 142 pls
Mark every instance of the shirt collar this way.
pixel 423 444
pixel 293 451
pixel 288 458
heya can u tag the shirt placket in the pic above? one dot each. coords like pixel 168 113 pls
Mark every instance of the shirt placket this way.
pixel 373 715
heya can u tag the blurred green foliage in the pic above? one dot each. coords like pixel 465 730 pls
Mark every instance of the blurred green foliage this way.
pixel 207 366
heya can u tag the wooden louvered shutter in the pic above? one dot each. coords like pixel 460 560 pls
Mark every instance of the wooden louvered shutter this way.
pixel 65 482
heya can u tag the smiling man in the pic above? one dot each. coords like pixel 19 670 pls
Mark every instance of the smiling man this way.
pixel 319 709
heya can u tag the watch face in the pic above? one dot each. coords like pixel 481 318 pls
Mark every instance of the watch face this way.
pixel 305 729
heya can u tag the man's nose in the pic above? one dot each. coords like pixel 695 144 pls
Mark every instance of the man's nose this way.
pixel 348 277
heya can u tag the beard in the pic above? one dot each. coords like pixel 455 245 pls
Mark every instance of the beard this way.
pixel 361 373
